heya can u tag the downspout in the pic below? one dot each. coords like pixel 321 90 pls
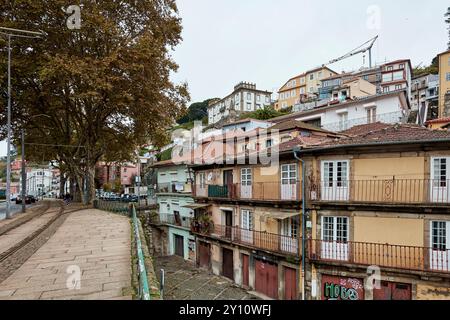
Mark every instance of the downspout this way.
pixel 303 218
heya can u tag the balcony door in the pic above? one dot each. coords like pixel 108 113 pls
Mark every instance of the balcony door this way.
pixel 246 183
pixel 246 226
pixel 440 180
pixel 289 182
pixel 289 235
pixel 334 238
pixel 228 182
pixel 440 246
pixel 335 180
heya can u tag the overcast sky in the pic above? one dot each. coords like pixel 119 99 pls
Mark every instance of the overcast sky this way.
pixel 269 41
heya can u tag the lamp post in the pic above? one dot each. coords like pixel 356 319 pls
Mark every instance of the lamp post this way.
pixel 10 33
pixel 297 149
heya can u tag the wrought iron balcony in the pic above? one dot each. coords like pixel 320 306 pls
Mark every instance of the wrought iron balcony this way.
pixel 389 191
pixel 382 255
pixel 256 191
pixel 255 239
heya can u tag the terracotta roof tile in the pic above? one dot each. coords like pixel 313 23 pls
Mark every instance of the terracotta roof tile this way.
pixel 441 120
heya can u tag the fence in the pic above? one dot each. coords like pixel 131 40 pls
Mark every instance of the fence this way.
pixel 383 255
pixel 144 291
pixel 116 207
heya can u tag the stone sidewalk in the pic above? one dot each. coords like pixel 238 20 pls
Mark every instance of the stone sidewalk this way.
pixel 93 244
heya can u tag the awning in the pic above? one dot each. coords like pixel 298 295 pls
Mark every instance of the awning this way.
pixel 280 215
pixel 196 205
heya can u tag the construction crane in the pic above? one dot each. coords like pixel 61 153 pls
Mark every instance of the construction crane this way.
pixel 361 49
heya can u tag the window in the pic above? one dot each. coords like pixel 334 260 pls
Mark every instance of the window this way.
pixel 439 235
pixel 302 80
pixel 246 177
pixel 249 96
pixel 441 172
pixel 288 174
pixel 269 143
pixel 449 61
pixel 387 77
pixel 447 76
pixel 335 173
pixel 371 115
pixel 390 68
pixel 302 90
pixel 311 76
pixel 398 87
pixel 343 121
pixel 267 99
pixel 202 178
pixel 385 89
pixel 398 75
pixel 335 229
pixel 249 106
pixel 258 98
pixel 401 66
pixel 320 74
pixel 366 78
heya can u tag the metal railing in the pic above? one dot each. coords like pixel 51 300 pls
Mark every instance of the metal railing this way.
pixel 116 207
pixel 144 291
pixel 400 191
pixel 256 239
pixel 265 191
pixel 391 118
pixel 173 220
pixel 383 255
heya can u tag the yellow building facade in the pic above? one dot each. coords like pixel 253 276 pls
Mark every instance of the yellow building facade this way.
pixel 444 83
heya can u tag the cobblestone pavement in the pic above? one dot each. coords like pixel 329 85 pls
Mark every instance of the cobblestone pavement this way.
pixel 95 241
pixel 183 281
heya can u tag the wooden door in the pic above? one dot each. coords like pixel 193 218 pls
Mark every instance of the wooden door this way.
pixel 179 245
pixel 227 263
pixel 204 255
pixel 228 181
pixel 392 291
pixel 245 270
pixel 290 284
pixel 266 278
pixel 228 223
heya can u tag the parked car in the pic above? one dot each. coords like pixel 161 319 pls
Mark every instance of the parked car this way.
pixel 27 199
pixel 33 199
pixel 129 198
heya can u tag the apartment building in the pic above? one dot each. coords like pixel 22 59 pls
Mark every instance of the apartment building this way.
pixel 424 97
pixel 248 213
pixel 379 201
pixel 339 115
pixel 396 75
pixel 174 207
pixel 244 98
pixel 300 87
pixel 444 84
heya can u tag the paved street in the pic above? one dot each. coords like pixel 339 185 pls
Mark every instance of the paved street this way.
pixel 185 282
pixel 93 242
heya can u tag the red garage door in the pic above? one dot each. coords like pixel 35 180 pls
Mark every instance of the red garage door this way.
pixel 290 284
pixel 245 270
pixel 266 278
pixel 392 291
pixel 341 288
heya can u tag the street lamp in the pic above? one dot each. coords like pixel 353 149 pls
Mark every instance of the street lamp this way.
pixel 12 33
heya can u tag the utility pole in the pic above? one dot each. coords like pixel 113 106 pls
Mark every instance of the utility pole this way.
pixel 24 174
pixel 20 34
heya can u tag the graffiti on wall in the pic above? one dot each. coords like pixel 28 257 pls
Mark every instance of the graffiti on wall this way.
pixel 335 288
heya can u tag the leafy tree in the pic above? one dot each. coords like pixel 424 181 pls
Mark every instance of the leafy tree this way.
pixel 196 111
pixel 433 68
pixel 447 21
pixel 104 89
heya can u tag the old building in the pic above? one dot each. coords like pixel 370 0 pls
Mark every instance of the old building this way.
pixel 444 84
pixel 396 75
pixel 247 220
pixel 424 97
pixel 338 115
pixel 244 98
pixel 379 201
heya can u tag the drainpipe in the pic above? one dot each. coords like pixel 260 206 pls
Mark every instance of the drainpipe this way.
pixel 296 149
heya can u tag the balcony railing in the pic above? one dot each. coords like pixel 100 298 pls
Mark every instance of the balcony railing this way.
pixel 393 191
pixel 258 191
pixel 173 220
pixel 256 239
pixel 382 255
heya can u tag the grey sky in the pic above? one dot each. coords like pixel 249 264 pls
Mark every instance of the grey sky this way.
pixel 269 41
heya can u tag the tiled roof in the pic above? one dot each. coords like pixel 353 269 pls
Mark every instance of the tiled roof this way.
pixel 303 141
pixel 364 128
pixel 441 120
pixel 382 134
pixel 294 124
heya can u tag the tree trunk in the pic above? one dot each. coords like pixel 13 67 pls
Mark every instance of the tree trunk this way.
pixel 62 184
pixel 91 184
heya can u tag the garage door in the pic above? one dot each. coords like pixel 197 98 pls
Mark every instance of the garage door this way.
pixel 392 291
pixel 204 254
pixel 245 270
pixel 227 263
pixel 266 278
pixel 179 245
pixel 290 284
